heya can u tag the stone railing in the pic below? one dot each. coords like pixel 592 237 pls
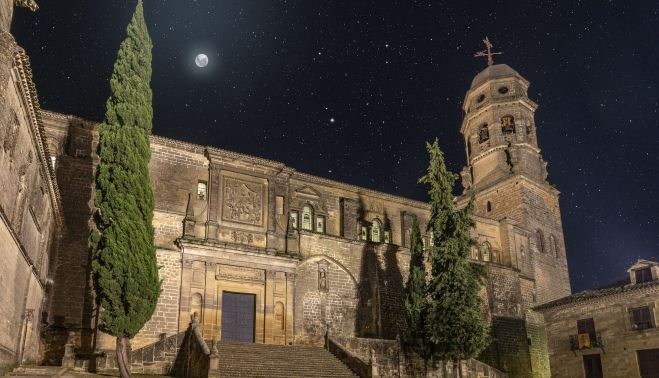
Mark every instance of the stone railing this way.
pixel 388 358
pixel 195 359
pixel 354 362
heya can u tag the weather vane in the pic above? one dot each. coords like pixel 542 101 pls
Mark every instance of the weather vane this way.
pixel 487 52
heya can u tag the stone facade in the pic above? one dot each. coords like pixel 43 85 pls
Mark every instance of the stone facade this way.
pixel 29 203
pixel 309 254
pixel 625 343
pixel 317 255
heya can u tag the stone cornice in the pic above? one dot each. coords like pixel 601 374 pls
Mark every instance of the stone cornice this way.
pixel 38 134
pixel 219 153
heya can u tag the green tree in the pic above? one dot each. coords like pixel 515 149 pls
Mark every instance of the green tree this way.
pixel 415 293
pixel 123 254
pixel 455 327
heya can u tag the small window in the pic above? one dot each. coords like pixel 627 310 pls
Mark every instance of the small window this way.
pixel 643 275
pixel 641 318
pixel 480 98
pixel 540 241
pixel 363 234
pixel 376 231
pixel 201 190
pixel 320 224
pixel 387 237
pixel 508 124
pixel 431 239
pixel 485 251
pixel 495 257
pixel 53 161
pixel 503 90
pixel 307 216
pixel 488 206
pixel 294 219
pixel 483 133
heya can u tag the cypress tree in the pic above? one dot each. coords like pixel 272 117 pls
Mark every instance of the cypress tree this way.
pixel 455 327
pixel 124 264
pixel 415 293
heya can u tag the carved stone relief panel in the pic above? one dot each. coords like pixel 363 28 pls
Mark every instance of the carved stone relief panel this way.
pixel 238 273
pixel 243 201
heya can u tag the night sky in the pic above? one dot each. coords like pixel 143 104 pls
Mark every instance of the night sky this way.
pixel 351 90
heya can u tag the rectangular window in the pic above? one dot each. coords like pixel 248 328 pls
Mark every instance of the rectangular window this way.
pixel 586 327
pixel 201 190
pixel 279 205
pixel 294 219
pixel 643 275
pixel 363 234
pixel 641 318
pixel 387 237
pixel 320 224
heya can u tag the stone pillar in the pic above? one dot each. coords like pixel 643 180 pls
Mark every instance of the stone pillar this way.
pixel 290 303
pixel 349 214
pixel 268 299
pixel 213 199
pixel 69 359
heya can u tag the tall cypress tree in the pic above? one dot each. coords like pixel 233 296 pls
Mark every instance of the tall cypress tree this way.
pixel 415 293
pixel 123 254
pixel 455 327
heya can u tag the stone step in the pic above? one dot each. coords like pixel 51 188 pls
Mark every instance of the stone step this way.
pixel 267 360
pixel 37 371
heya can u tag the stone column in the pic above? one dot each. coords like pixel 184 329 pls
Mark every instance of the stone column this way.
pixel 268 300
pixel 214 201
pixel 290 304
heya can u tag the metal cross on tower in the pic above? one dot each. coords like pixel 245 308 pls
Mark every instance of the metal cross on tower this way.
pixel 487 52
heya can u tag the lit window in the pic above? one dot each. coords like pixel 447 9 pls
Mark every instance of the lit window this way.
pixel 387 237
pixel 485 251
pixel 431 239
pixel 201 190
pixel 53 160
pixel 508 124
pixel 376 230
pixel 307 216
pixel 363 234
pixel 320 224
pixel 294 219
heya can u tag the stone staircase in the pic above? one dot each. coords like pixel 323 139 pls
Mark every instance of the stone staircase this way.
pixel 263 360
pixel 37 371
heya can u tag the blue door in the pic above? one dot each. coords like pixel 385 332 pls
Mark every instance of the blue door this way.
pixel 238 316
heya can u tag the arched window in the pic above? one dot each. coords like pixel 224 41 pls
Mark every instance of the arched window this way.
pixel 553 245
pixel 485 251
pixel 307 216
pixel 376 231
pixel 483 133
pixel 540 241
pixel 488 206
pixel 508 124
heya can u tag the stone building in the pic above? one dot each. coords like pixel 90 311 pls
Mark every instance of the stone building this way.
pixel 29 201
pixel 607 332
pixel 264 253
pixel 261 252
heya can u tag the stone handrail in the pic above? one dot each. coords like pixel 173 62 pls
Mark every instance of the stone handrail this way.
pixel 196 359
pixel 356 364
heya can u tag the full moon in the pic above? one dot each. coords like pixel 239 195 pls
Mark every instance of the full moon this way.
pixel 201 60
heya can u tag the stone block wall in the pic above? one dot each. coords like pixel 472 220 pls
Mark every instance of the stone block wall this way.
pixel 164 321
pixel 611 316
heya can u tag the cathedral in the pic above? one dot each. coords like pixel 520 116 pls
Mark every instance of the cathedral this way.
pixel 258 252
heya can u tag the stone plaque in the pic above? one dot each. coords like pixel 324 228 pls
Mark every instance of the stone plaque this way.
pixel 243 201
pixel 238 273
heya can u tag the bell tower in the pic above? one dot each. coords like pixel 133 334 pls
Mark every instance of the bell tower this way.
pixel 508 176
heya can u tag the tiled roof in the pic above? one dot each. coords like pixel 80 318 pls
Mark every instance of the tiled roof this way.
pixel 618 287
